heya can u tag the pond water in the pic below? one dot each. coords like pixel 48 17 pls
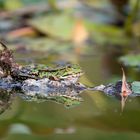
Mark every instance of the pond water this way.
pixel 98 117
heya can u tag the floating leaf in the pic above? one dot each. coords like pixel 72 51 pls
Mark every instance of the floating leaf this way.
pixel 136 87
pixel 132 60
pixel 59 25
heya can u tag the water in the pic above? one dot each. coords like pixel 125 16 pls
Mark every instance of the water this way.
pixel 98 117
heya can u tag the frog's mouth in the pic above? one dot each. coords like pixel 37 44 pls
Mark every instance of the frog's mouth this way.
pixel 72 76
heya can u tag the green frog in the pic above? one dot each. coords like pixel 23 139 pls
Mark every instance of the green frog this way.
pixel 69 73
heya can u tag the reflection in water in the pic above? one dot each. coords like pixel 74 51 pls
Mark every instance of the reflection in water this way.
pixel 40 90
pixel 5 100
pixel 7 90
pixel 45 89
pixel 58 91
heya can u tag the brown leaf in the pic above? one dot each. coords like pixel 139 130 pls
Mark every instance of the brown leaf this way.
pixel 80 33
pixel 125 90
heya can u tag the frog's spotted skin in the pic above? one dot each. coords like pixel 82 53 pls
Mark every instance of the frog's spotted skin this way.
pixel 68 73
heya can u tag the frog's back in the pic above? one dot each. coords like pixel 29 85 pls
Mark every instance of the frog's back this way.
pixel 42 71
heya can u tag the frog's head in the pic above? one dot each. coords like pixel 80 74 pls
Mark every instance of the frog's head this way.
pixel 72 71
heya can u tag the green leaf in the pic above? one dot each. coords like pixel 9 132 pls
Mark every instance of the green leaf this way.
pixel 130 60
pixel 136 87
pixel 59 25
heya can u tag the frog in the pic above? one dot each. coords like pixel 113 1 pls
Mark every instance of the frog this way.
pixel 69 73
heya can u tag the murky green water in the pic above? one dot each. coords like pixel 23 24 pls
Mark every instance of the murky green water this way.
pixel 98 117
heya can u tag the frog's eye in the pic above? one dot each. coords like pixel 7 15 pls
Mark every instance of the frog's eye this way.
pixel 69 66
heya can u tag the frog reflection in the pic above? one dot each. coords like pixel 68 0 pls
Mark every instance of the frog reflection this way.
pixel 48 90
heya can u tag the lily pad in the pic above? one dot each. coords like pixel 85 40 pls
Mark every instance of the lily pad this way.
pixel 59 25
pixel 136 87
pixel 130 60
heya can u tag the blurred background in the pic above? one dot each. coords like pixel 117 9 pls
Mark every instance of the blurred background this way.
pixel 101 36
